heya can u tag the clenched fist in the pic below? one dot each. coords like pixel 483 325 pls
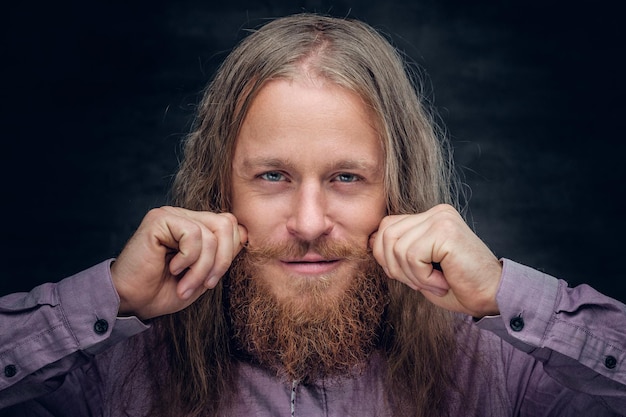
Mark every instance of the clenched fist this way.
pixel 174 256
pixel 435 252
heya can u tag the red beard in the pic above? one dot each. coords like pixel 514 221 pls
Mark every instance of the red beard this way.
pixel 316 335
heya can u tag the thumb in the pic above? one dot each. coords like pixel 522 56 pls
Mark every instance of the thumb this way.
pixel 241 237
pixel 372 239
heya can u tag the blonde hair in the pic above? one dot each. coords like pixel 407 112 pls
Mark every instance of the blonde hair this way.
pixel 418 340
pixel 351 54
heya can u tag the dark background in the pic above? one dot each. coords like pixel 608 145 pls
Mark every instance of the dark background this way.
pixel 97 96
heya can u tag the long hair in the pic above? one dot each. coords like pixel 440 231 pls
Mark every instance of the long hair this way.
pixel 418 342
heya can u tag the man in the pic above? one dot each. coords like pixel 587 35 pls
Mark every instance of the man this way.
pixel 312 264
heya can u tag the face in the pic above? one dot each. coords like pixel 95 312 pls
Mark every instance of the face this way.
pixel 307 168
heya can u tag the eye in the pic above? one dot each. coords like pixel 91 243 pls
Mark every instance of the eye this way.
pixel 345 177
pixel 272 176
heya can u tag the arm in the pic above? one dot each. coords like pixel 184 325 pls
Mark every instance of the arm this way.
pixel 56 328
pixel 174 256
pixel 575 332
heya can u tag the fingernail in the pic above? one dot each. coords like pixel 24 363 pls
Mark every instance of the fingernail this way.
pixel 439 292
pixel 187 294
pixel 211 282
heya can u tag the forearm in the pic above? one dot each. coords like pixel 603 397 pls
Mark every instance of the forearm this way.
pixel 56 327
pixel 577 333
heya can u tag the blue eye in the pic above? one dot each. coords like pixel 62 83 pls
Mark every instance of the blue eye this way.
pixel 272 176
pixel 347 177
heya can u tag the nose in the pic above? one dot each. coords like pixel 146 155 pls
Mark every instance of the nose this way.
pixel 309 218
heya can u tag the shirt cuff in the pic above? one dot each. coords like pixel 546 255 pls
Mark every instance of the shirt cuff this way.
pixel 90 305
pixel 526 299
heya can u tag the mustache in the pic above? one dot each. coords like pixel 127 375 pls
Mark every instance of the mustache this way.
pixel 296 248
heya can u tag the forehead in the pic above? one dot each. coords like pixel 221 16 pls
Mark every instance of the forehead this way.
pixel 289 118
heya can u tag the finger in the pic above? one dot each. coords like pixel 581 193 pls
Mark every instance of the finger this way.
pixel 197 237
pixel 215 222
pixel 415 257
pixel 225 229
pixel 377 240
pixel 407 252
pixel 242 238
pixel 371 241
pixel 172 228
pixel 206 256
pixel 196 255
pixel 438 285
pixel 183 236
pixel 226 250
pixel 218 239
pixel 392 250
pixel 240 233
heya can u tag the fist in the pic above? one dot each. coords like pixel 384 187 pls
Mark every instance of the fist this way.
pixel 435 252
pixel 174 256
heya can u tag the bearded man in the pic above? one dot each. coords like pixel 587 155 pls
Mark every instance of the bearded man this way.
pixel 312 263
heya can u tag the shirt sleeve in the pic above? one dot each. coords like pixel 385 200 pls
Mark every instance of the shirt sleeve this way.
pixel 56 328
pixel 578 334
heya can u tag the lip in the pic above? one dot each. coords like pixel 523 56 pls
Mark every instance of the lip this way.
pixel 310 265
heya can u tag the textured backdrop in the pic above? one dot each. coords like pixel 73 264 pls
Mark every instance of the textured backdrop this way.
pixel 96 98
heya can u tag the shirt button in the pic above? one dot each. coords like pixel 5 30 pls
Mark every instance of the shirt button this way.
pixel 10 371
pixel 101 326
pixel 517 324
pixel 610 362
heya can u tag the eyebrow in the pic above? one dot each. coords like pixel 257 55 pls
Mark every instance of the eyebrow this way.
pixel 260 161
pixel 354 164
pixel 344 164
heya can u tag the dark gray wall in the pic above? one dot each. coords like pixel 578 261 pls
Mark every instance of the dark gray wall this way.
pixel 96 97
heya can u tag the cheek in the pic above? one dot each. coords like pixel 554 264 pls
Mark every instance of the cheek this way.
pixel 367 222
pixel 262 221
pixel 362 219
pixel 373 208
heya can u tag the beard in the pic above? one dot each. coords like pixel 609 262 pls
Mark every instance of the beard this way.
pixel 328 328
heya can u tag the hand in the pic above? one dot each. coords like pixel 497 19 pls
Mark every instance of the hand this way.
pixel 174 257
pixel 468 273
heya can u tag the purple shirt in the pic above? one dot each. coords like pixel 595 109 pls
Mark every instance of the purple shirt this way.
pixel 553 351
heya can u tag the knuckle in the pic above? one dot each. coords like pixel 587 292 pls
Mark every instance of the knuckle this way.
pixel 221 265
pixel 230 217
pixel 154 214
pixel 210 240
pixel 444 207
pixel 398 251
pixel 224 223
pixel 393 271
pixel 389 235
pixel 447 224
pixel 159 214
pixel 413 260
pixel 385 222
pixel 448 221
pixel 193 230
pixel 390 220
